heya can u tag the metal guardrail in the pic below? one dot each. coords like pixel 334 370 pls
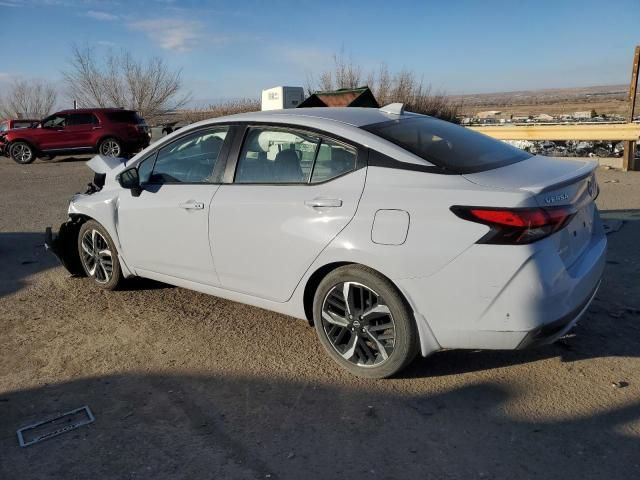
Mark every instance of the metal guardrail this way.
pixel 629 133
pixel 603 131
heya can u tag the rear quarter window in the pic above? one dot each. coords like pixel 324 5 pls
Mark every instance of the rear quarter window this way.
pixel 451 147
pixel 124 117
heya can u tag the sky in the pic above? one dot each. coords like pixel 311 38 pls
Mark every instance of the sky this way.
pixel 232 49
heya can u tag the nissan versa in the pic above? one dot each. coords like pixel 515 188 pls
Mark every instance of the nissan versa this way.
pixel 393 233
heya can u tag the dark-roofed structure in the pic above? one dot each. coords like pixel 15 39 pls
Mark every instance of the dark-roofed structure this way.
pixel 344 97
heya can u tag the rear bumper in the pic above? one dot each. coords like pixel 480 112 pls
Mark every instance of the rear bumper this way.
pixel 508 297
pixel 64 245
pixel 552 331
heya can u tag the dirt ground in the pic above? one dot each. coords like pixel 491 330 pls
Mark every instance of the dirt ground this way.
pixel 189 386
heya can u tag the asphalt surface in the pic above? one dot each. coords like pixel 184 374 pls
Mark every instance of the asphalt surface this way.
pixel 189 386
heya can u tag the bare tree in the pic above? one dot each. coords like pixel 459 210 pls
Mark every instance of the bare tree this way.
pixel 28 99
pixel 402 87
pixel 228 107
pixel 119 80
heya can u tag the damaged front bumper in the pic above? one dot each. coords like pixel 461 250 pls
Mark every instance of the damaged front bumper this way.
pixel 64 245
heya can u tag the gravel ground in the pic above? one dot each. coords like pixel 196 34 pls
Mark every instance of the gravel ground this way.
pixel 189 386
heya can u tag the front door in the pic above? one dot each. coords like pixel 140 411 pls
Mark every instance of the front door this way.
pixel 293 192
pixel 166 229
pixel 51 134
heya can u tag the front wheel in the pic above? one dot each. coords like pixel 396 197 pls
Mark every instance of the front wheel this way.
pixel 22 153
pixel 98 255
pixel 110 147
pixel 363 322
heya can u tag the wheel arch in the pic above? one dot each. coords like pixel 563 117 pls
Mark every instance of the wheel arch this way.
pixel 104 137
pixel 36 150
pixel 428 342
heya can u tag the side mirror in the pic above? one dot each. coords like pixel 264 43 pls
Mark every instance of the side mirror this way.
pixel 130 179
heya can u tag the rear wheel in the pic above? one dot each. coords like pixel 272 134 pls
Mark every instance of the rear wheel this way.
pixel 110 147
pixel 22 153
pixel 98 255
pixel 364 323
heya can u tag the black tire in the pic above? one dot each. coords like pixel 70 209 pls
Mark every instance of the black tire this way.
pixel 22 153
pixel 94 261
pixel 382 291
pixel 108 147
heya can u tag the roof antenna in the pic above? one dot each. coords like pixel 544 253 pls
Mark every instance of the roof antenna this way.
pixel 393 108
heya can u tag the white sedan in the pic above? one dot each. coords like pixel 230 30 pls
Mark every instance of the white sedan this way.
pixel 393 233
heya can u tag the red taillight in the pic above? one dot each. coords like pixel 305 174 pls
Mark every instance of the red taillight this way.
pixel 517 226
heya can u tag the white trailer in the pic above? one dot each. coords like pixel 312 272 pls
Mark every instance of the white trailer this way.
pixel 277 98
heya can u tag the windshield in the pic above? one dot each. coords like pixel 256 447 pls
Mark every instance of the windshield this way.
pixel 449 146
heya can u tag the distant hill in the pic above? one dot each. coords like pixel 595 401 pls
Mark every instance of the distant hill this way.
pixel 604 99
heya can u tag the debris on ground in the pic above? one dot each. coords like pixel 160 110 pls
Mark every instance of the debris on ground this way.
pixel 611 225
pixel 52 427
pixel 619 384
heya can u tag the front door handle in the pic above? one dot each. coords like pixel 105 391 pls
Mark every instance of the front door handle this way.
pixel 324 202
pixel 191 205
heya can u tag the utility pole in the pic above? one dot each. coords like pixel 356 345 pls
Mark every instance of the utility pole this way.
pixel 628 160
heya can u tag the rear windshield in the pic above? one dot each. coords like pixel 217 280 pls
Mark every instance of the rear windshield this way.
pixel 449 146
pixel 125 116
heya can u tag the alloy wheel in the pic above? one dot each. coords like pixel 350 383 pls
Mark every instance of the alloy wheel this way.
pixel 97 256
pixel 110 148
pixel 22 153
pixel 358 324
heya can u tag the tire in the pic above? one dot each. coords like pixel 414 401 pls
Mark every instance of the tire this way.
pixel 361 344
pixel 22 153
pixel 110 147
pixel 104 269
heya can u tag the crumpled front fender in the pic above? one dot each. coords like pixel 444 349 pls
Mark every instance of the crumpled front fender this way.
pixel 64 245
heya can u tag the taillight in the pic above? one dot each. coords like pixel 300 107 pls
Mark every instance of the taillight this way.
pixel 516 226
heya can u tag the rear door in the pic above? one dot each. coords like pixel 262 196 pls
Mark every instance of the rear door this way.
pixel 292 192
pixel 79 130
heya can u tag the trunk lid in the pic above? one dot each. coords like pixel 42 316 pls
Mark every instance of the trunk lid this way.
pixel 553 182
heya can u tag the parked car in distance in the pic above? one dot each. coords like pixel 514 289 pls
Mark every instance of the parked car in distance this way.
pixel 108 131
pixel 11 123
pixel 393 233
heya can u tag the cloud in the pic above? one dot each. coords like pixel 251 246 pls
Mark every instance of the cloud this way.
pixel 102 16
pixel 171 34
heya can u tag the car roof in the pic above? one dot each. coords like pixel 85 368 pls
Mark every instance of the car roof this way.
pixel 93 110
pixel 356 116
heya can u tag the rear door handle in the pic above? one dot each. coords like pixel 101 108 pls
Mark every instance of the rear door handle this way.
pixel 96 128
pixel 191 205
pixel 323 202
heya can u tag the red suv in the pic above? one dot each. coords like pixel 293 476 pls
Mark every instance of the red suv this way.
pixel 111 132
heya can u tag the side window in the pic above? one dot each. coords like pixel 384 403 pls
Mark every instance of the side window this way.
pixel 276 156
pixel 191 159
pixel 81 119
pixel 55 121
pixel 144 169
pixel 334 159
